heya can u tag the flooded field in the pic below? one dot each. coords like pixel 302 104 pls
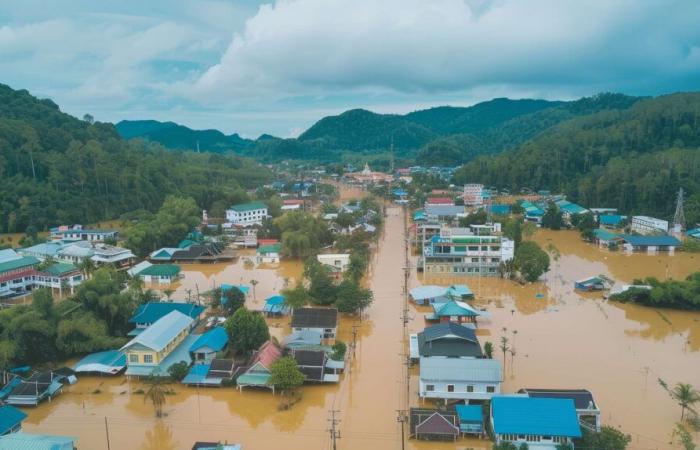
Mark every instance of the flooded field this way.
pixel 562 340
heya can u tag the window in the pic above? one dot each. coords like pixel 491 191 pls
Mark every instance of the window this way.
pixel 429 387
pixel 133 358
pixel 450 388
pixel 490 389
pixel 470 388
pixel 148 359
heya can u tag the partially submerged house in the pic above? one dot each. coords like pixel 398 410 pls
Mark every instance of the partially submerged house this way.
pixel 650 244
pixel 10 419
pixel 454 311
pixel 213 373
pixel 159 346
pixel 590 284
pixel 303 339
pixel 275 306
pixel 247 213
pixel 194 252
pixel 321 320
pixel 447 340
pixel 338 262
pixel 461 252
pixel 160 273
pixel 269 254
pixel 109 362
pixel 37 388
pixel 586 408
pixel 433 425
pixel 474 379
pixel 541 423
pixel 209 345
pixel 313 364
pixel 149 313
pixel 428 294
pixel 471 419
pixel 257 373
pixel 26 441
pixel 200 445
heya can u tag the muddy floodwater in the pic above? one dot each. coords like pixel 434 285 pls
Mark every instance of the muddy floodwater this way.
pixel 562 340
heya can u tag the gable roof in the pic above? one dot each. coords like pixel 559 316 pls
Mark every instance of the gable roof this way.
pixel 437 424
pixel 448 339
pixel 267 354
pixel 536 416
pixel 272 248
pixel 314 318
pixel 661 240
pixel 243 207
pixel 582 398
pixel 427 291
pixel 26 441
pixel 310 357
pixel 611 219
pixel 161 270
pixel 158 335
pixel 8 255
pixel 18 263
pixel 152 311
pixel 470 413
pixel 10 417
pixel 60 269
pixel 460 369
pixel 455 308
pixel 215 339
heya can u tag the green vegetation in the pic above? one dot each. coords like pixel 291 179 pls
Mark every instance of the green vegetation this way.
pixel 302 234
pixel 686 396
pixel 247 331
pixel 56 169
pixel 157 390
pixel 531 261
pixel 348 296
pixel 608 438
pixel 297 296
pixel 178 371
pixel 234 299
pixel 339 349
pixel 286 376
pixel 678 294
pixel 488 349
pixel 553 217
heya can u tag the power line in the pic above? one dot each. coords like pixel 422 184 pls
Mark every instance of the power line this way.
pixel 334 433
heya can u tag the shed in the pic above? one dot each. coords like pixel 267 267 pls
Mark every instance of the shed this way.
pixel 471 418
pixel 109 362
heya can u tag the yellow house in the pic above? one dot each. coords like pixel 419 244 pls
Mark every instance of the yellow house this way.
pixel 159 346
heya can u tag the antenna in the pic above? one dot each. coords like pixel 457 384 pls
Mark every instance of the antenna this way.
pixel 679 217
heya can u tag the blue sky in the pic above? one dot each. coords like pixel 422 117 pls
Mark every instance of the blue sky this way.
pixel 278 66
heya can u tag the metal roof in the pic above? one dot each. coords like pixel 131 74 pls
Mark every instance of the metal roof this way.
pixel 10 417
pixel 26 441
pixel 152 311
pixel 611 219
pixel 13 264
pixel 428 291
pixel 583 399
pixel 455 308
pixel 470 413
pixel 59 269
pixel 314 318
pixel 109 361
pixel 448 339
pixel 161 270
pixel 248 206
pixel 535 416
pixel 215 339
pixel 460 369
pixel 443 210
pixel 661 240
pixel 162 332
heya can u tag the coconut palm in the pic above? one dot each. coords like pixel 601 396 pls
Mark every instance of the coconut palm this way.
pixel 254 283
pixel 168 293
pixel 504 349
pixel 686 396
pixel 156 394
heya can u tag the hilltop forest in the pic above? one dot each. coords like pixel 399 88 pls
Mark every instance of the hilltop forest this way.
pixel 57 169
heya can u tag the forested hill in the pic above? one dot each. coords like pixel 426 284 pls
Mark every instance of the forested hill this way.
pixel 179 137
pixel 633 158
pixel 56 169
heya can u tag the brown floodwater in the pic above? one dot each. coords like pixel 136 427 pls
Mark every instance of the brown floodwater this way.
pixel 562 340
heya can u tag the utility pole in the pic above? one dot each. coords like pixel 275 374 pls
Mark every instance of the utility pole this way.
pixel 354 338
pixel 335 434
pixel 107 433
pixel 402 418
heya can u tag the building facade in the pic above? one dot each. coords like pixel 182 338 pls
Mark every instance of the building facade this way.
pixel 459 378
pixel 648 225
pixel 247 213
pixel 473 194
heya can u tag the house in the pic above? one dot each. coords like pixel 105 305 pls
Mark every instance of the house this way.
pixel 449 310
pixel 149 313
pixel 569 209
pixel 160 273
pixel 162 344
pixel 586 407
pixel 58 276
pixel 459 253
pixel 321 320
pixel 606 238
pixel 77 232
pixel 38 387
pixel 533 213
pixel 648 225
pixel 194 252
pixel 213 373
pixel 22 441
pixel 269 254
pixel 444 212
pixel 338 262
pixel 448 340
pixel 292 204
pixel 313 364
pixel 257 373
pixel 650 244
pixel 109 362
pixel 303 339
pixel 465 379
pixel 247 213
pixel 694 233
pixel 541 423
pixel 590 284
pixel 16 273
pixel 473 194
pixel 199 445
pixel 208 345
pixel 75 252
pixel 471 418
pixel 10 419
pixel 8 381
pixel 428 294
pixel 611 220
pixel 439 201
pixel 433 425
pixel 275 306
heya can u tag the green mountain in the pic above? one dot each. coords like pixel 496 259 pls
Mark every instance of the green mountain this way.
pixel 56 169
pixel 179 137
pixel 634 157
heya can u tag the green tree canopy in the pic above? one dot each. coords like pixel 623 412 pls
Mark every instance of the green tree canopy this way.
pixel 531 260
pixel 247 331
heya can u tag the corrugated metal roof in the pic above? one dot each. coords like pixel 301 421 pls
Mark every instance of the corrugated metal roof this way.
pixel 10 417
pixel 661 240
pixel 215 339
pixel 470 413
pixel 535 416
pixel 26 441
pixel 428 291
pixel 161 270
pixel 24 261
pixel 162 332
pixel 110 361
pixel 248 206
pixel 152 311
pixel 59 269
pixel 460 369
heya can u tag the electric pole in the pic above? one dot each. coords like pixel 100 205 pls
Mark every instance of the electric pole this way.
pixel 402 418
pixel 107 433
pixel 335 434
pixel 354 338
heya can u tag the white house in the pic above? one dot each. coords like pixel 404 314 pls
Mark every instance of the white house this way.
pixel 269 254
pixel 473 194
pixel 320 320
pixel 649 225
pixel 247 213
pixel 77 232
pixel 339 261
pixel 459 378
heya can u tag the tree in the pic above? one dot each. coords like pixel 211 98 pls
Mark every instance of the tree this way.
pixel 685 437
pixel 89 119
pixel 254 283
pixel 321 288
pixel 233 299
pixel 339 349
pixel 178 371
pixel 686 396
pixel 504 446
pixel 553 217
pixel 84 334
pixel 586 224
pixel 297 296
pixel 504 348
pixel 351 298
pixel 285 375
pixel 247 331
pixel 168 293
pixel 157 389
pixel 42 301
pixel 531 260
pixel 488 349
pixel 608 438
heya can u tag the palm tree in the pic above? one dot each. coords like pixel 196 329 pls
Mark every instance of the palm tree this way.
pixel 504 349
pixel 168 293
pixel 686 396
pixel 86 266
pixel 156 394
pixel 488 350
pixel 254 283
pixel 189 295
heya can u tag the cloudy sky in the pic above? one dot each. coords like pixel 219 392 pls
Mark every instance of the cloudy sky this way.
pixel 277 66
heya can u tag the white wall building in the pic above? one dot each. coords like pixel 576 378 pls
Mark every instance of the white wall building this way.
pixel 340 261
pixel 649 225
pixel 459 378
pixel 473 194
pixel 247 213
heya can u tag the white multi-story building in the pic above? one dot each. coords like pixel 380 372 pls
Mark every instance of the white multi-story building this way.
pixel 473 194
pixel 649 225
pixel 247 213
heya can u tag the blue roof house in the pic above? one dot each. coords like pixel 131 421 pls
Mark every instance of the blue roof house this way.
pixel 109 362
pixel 471 418
pixel 206 347
pixel 10 419
pixel 149 313
pixel 26 441
pixel 275 306
pixel 611 220
pixel 650 244
pixel 541 423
